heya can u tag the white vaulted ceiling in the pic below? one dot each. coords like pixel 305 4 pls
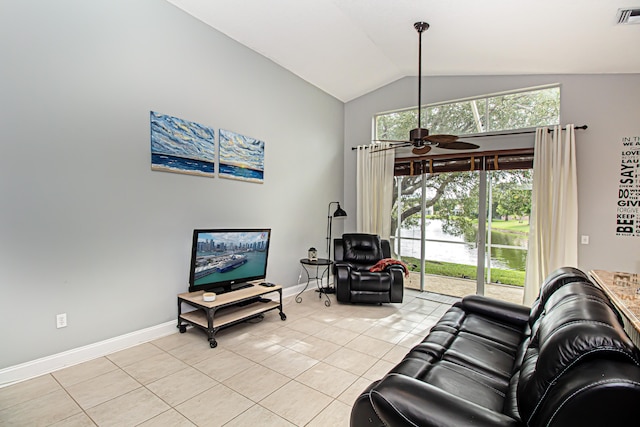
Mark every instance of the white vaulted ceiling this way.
pixel 350 47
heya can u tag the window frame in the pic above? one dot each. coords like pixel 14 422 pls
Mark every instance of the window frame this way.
pixel 486 119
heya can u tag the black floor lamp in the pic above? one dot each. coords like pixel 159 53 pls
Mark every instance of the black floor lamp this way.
pixel 339 213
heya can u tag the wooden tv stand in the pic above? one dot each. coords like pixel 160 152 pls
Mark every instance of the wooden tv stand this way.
pixel 228 309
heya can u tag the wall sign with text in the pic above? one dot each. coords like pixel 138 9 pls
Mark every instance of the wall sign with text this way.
pixel 628 212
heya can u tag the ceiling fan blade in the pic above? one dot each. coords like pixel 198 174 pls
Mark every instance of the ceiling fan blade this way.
pixel 377 150
pixel 404 141
pixel 458 145
pixel 421 150
pixel 440 139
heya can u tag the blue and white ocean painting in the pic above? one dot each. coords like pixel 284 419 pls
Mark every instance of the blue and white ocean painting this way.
pixel 182 146
pixel 241 157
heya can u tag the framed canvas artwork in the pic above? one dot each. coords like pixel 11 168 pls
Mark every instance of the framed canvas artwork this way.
pixel 240 157
pixel 181 146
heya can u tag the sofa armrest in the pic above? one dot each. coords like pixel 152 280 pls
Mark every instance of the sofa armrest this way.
pixel 595 393
pixel 511 313
pixel 404 401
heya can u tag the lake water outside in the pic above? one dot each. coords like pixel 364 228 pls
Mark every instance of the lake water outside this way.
pixel 463 249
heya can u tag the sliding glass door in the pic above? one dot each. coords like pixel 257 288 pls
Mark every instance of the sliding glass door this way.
pixel 437 236
pixel 507 233
pixel 464 233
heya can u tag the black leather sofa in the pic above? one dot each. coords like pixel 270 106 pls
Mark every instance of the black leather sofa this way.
pixel 354 255
pixel 565 362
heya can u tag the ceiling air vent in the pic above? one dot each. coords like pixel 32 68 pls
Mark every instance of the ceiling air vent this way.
pixel 629 16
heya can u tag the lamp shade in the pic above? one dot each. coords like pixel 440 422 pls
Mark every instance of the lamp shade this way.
pixel 339 212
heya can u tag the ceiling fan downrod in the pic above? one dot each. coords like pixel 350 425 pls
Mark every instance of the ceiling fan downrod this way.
pixel 419 133
pixel 419 137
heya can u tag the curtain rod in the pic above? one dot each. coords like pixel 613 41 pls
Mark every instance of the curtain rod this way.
pixel 496 134
pixel 453 156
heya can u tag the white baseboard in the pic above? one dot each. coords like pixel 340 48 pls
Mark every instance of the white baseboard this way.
pixel 294 290
pixel 48 364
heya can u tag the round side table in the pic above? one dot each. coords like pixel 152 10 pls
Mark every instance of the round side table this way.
pixel 320 264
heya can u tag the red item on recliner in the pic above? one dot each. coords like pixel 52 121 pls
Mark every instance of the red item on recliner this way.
pixel 386 262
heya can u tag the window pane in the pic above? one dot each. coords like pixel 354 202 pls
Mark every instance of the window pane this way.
pixel 457 118
pixel 509 208
pixel 524 110
pixel 407 197
pixel 396 125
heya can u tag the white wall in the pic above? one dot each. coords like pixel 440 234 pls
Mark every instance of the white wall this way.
pixel 86 228
pixel 608 104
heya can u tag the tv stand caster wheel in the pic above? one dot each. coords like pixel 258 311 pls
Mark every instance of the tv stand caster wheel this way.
pixel 182 328
pixel 213 343
pixel 283 316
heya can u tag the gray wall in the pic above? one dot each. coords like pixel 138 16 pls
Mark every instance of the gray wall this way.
pixel 608 104
pixel 86 228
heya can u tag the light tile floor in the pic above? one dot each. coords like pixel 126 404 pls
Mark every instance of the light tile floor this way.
pixel 463 287
pixel 305 371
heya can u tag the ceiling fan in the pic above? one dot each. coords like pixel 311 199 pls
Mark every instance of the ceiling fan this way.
pixel 419 138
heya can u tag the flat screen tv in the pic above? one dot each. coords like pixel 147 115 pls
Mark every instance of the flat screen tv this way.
pixel 224 260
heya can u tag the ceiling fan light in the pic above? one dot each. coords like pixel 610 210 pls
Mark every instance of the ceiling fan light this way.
pixel 421 150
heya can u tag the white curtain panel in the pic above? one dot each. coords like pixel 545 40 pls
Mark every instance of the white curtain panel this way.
pixel 553 233
pixel 374 189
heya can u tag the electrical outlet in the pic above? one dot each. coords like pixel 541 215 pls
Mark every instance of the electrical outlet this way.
pixel 585 240
pixel 61 320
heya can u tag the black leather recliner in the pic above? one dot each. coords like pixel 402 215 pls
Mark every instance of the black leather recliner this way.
pixel 355 254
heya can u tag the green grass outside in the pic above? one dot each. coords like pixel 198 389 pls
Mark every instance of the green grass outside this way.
pixel 511 225
pixel 509 277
